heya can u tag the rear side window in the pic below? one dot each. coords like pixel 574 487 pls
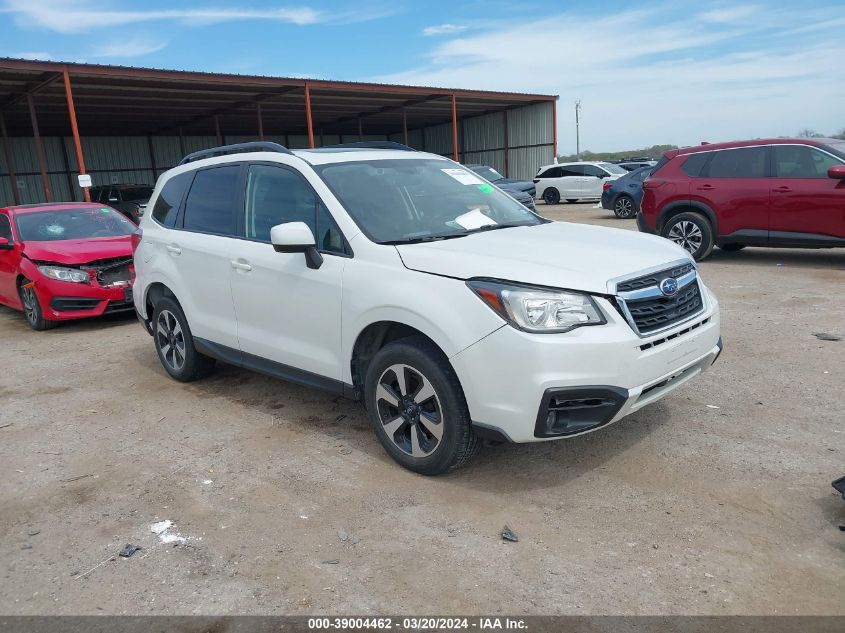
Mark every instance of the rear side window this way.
pixel 167 205
pixel 572 170
pixel 212 201
pixel 694 163
pixel 801 161
pixel 747 162
pixel 551 172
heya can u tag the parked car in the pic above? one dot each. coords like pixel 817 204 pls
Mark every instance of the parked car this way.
pixel 631 165
pixel 623 195
pixel 521 190
pixel 403 279
pixel 778 192
pixel 128 199
pixel 65 261
pixel 574 181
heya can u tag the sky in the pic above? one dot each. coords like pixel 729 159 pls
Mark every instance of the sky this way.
pixel 645 72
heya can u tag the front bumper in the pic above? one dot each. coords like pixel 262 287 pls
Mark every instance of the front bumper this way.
pixel 594 375
pixel 65 301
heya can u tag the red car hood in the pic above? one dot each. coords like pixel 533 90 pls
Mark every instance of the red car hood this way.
pixel 79 251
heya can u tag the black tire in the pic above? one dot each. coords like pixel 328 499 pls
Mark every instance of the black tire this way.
pixel 571 200
pixel 625 207
pixel 551 196
pixel 173 341
pixel 691 231
pixel 731 248
pixel 32 308
pixel 423 366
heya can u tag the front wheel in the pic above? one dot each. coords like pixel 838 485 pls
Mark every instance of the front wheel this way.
pixel 625 207
pixel 417 407
pixel 551 195
pixel 691 231
pixel 32 309
pixel 175 345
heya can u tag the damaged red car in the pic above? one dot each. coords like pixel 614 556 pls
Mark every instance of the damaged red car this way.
pixel 65 261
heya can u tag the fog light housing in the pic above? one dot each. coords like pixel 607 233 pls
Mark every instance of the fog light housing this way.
pixel 572 410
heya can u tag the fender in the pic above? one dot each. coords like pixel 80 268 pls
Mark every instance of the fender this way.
pixel 156 278
pixel 695 205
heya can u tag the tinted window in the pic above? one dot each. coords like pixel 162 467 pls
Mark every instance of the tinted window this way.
pixel 5 228
pixel 801 161
pixel 210 207
pixel 615 169
pixel 136 193
pixel 551 172
pixel 592 170
pixel 167 205
pixel 748 162
pixel 72 224
pixel 572 170
pixel 694 163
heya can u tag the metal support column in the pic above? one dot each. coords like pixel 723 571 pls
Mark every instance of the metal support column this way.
pixel 10 161
pixel 308 119
pixel 454 128
pixel 74 128
pixel 39 151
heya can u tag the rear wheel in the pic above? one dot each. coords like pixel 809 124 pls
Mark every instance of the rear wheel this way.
pixel 691 231
pixel 625 207
pixel 551 195
pixel 175 345
pixel 730 248
pixel 32 309
pixel 417 407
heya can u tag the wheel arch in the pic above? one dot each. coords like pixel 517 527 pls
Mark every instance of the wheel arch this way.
pixel 682 206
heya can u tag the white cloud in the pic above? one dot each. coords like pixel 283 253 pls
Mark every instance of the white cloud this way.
pixel 69 16
pixel 645 78
pixel 43 56
pixel 443 29
pixel 134 47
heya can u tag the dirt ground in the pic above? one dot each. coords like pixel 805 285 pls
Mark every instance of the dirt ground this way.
pixel 716 500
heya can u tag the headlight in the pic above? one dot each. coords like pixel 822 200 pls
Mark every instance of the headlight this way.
pixel 64 274
pixel 538 309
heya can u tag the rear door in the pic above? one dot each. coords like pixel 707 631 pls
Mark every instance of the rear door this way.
pixel 735 184
pixel 593 181
pixel 803 198
pixel 571 181
pixel 203 249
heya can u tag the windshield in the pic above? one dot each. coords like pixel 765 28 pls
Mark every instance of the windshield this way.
pixel 136 193
pixel 72 224
pixel 613 169
pixel 407 200
pixel 488 172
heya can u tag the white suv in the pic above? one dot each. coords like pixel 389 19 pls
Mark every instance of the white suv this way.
pixel 407 281
pixel 574 181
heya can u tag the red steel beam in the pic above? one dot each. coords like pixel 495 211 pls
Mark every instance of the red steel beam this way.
pixel 309 120
pixel 10 161
pixel 454 128
pixel 39 150
pixel 77 143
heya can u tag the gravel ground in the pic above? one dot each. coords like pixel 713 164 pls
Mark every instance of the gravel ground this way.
pixel 716 500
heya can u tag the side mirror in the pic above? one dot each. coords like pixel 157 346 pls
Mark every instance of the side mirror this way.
pixel 5 244
pixel 837 171
pixel 296 237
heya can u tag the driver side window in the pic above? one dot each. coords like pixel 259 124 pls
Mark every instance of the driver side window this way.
pixel 5 228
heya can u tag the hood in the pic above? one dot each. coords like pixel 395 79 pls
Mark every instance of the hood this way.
pixel 517 185
pixel 556 254
pixel 72 252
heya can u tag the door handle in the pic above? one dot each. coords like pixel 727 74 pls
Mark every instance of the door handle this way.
pixel 240 265
pixel 782 189
pixel 705 188
pixel 173 249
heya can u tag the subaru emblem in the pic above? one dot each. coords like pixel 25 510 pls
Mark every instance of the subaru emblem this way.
pixel 669 286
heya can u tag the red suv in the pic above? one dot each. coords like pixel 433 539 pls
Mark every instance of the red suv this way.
pixel 778 192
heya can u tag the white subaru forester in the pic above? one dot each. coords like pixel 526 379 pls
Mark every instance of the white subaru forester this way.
pixel 405 280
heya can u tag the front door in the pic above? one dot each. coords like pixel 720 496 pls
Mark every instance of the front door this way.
pixel 9 261
pixel 288 313
pixel 803 198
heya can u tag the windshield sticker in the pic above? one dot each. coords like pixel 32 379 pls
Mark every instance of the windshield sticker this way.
pixel 464 177
pixel 474 219
pixel 485 188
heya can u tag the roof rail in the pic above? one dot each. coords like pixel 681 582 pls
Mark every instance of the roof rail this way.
pixel 372 145
pixel 236 148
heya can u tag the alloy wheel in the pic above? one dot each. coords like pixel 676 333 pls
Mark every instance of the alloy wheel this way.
pixel 624 207
pixel 686 234
pixel 171 340
pixel 409 410
pixel 30 306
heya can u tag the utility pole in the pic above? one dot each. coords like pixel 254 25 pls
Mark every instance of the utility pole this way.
pixel 577 129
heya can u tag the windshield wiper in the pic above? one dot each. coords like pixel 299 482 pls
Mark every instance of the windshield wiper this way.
pixel 492 227
pixel 425 238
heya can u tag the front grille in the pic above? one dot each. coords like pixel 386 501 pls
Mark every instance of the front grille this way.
pixel 115 270
pixel 653 279
pixel 655 313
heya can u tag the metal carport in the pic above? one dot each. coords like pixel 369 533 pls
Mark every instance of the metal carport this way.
pixel 126 124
